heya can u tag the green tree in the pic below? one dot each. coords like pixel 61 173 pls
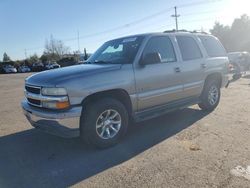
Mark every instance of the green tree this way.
pixel 34 58
pixel 6 57
pixel 240 32
pixel 235 37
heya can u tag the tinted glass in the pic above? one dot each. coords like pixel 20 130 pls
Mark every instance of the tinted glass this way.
pixel 213 46
pixel 189 48
pixel 163 46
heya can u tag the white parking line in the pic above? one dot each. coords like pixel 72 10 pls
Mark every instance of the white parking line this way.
pixel 240 171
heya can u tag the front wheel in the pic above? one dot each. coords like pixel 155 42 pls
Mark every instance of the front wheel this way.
pixel 210 97
pixel 104 122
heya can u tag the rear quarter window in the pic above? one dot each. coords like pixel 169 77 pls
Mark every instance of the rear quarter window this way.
pixel 213 47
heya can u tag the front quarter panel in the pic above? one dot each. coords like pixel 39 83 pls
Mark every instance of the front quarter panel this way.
pixel 78 89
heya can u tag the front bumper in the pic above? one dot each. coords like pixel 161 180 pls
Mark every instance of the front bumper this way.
pixel 64 124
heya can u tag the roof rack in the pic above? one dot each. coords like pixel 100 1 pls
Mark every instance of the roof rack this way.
pixel 183 30
pixel 197 31
pixel 175 31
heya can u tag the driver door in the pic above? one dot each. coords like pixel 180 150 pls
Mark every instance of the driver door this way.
pixel 158 83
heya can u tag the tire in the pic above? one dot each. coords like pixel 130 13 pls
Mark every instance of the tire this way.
pixel 95 122
pixel 210 96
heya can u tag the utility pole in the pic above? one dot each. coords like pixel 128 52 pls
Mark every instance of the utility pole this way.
pixel 78 43
pixel 25 52
pixel 175 15
pixel 85 54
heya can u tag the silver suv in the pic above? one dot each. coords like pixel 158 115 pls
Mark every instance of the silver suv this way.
pixel 131 78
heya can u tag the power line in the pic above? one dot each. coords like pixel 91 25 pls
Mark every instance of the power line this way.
pixel 199 13
pixel 190 21
pixel 156 22
pixel 196 20
pixel 199 3
pixel 147 18
pixel 142 19
pixel 130 24
pixel 124 25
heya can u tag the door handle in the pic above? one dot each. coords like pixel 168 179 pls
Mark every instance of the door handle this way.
pixel 203 65
pixel 177 69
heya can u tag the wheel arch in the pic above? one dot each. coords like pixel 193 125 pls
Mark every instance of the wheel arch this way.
pixel 214 76
pixel 118 94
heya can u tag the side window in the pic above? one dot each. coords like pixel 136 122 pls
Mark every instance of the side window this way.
pixel 213 47
pixel 189 48
pixel 163 46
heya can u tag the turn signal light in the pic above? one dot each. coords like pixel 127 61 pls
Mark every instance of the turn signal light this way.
pixel 62 105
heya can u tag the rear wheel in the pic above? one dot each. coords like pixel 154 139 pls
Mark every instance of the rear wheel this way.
pixel 104 123
pixel 210 97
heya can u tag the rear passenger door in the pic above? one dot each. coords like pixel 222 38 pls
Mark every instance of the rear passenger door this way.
pixel 192 66
pixel 158 83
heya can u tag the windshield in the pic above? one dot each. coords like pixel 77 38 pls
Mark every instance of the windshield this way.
pixel 119 51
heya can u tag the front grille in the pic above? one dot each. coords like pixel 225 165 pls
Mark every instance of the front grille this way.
pixel 33 89
pixel 34 102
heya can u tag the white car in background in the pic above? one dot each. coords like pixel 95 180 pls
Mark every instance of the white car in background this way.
pixel 24 69
pixel 52 65
pixel 9 69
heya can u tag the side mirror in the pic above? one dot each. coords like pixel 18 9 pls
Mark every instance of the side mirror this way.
pixel 151 58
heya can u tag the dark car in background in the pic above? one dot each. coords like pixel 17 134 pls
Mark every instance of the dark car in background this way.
pixel 37 67
pixel 23 69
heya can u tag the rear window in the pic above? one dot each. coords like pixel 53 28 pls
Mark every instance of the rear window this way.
pixel 189 48
pixel 213 47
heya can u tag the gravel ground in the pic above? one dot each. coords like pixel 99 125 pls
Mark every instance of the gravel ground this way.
pixel 186 148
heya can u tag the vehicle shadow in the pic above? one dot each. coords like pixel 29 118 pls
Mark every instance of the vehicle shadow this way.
pixel 32 158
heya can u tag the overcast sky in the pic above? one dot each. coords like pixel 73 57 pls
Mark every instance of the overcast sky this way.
pixel 26 24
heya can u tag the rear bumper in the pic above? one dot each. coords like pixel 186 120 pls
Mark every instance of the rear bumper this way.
pixel 64 124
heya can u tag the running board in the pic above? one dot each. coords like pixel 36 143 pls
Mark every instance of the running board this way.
pixel 158 111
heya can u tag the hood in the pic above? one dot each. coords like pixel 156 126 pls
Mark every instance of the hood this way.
pixel 56 76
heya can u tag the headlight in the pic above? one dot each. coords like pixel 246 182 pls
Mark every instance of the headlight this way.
pixel 58 99
pixel 54 91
